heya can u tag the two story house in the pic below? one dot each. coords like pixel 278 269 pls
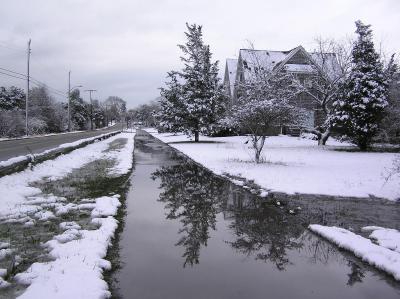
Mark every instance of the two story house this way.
pixel 297 61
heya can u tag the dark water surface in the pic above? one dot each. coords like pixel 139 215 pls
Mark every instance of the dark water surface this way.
pixel 190 234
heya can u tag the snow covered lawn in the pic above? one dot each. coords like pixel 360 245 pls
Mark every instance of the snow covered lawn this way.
pixel 385 255
pixel 75 253
pixel 294 165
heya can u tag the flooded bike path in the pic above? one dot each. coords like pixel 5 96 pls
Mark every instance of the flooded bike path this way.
pixel 191 234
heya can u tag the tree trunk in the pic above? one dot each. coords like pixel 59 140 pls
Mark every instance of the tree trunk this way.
pixel 257 157
pixel 196 136
pixel 324 137
pixel 258 147
pixel 363 145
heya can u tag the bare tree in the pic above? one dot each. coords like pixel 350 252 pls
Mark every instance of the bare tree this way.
pixel 332 62
pixel 264 103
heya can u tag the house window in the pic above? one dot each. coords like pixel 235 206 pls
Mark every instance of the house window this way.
pixel 307 82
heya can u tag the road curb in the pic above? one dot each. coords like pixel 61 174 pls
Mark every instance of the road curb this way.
pixel 31 160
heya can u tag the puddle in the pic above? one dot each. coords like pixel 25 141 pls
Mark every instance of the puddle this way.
pixel 191 234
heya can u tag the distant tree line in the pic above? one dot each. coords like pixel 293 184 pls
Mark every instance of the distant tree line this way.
pixel 46 115
pixel 145 114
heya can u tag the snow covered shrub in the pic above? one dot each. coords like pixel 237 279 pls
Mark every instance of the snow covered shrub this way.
pixel 222 129
pixel 310 136
pixel 36 126
pixel 359 111
pixel 258 116
pixel 12 101
pixel 264 103
pixel 12 123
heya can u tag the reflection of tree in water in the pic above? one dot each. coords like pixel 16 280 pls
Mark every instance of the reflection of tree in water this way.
pixel 321 251
pixel 264 231
pixel 192 195
pixel 357 274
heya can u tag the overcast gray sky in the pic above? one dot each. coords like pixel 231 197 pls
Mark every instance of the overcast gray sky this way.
pixel 124 48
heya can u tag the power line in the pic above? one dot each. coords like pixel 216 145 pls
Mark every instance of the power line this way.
pixel 10 75
pixel 3 45
pixel 37 84
pixel 33 80
pixel 12 71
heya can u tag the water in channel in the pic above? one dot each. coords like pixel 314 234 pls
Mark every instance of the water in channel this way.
pixel 190 234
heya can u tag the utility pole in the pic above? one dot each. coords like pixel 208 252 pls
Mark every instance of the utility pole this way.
pixel 91 107
pixel 69 101
pixel 27 90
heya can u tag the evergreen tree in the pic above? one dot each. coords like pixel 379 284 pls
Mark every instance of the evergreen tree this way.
pixel 12 98
pixel 171 111
pixel 98 116
pixel 201 98
pixel 79 111
pixel 359 110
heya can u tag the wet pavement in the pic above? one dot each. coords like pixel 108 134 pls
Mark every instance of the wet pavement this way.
pixel 37 144
pixel 191 234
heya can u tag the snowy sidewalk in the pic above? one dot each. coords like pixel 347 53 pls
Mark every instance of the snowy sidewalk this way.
pixel 294 165
pixel 82 228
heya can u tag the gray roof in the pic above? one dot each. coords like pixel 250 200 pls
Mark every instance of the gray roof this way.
pixel 260 58
pixel 269 60
pixel 231 64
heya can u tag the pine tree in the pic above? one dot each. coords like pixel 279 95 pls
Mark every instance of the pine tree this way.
pixel 359 110
pixel 171 106
pixel 201 98
pixel 12 98
pixel 79 111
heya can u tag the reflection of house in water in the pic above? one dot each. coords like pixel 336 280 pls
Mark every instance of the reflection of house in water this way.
pixel 237 200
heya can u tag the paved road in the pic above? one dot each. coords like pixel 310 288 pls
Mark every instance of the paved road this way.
pixel 13 148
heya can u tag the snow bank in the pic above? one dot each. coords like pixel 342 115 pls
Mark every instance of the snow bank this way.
pixel 378 256
pixel 77 269
pixel 294 165
pixel 16 188
pixel 386 237
pixel 106 206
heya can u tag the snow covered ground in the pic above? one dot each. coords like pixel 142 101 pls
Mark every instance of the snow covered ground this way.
pixel 77 255
pixel 295 165
pixel 384 255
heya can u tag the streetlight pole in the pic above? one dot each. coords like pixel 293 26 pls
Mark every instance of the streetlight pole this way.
pixel 69 101
pixel 27 89
pixel 91 107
